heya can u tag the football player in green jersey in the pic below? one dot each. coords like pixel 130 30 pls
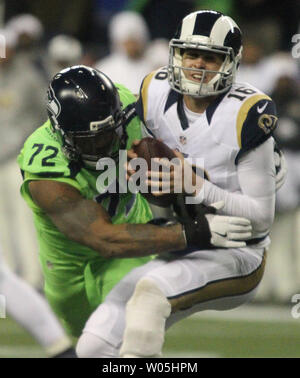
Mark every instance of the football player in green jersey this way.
pixel 89 240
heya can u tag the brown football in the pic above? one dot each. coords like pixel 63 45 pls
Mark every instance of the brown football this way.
pixel 150 148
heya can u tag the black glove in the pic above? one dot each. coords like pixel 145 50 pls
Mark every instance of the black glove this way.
pixel 195 224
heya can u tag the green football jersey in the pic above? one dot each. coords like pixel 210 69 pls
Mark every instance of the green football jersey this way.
pixel 77 278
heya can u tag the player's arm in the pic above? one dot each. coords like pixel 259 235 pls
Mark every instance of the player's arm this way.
pixel 255 167
pixel 256 175
pixel 87 222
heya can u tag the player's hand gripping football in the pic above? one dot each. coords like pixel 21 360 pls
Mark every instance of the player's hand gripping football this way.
pixel 176 176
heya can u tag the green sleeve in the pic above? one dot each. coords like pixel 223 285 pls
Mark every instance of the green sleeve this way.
pixel 42 155
pixel 28 177
pixel 133 129
pixel 42 159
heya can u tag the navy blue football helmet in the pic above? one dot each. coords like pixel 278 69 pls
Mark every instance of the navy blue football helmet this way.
pixel 85 110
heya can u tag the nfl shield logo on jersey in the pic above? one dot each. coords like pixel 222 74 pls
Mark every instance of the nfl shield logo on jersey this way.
pixel 182 139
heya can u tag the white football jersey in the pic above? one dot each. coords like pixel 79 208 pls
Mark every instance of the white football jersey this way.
pixel 237 121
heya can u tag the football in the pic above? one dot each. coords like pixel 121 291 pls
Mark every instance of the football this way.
pixel 150 148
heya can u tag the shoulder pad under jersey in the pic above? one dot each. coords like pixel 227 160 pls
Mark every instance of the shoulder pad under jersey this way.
pixel 150 91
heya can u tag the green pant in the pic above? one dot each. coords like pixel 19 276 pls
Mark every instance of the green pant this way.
pixel 74 289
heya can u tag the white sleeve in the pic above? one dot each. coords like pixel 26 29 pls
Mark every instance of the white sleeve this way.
pixel 256 175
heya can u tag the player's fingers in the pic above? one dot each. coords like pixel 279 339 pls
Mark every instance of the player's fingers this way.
pixel 160 193
pixel 131 154
pixel 129 172
pixel 156 185
pixel 154 175
pixel 165 163
pixel 239 236
pixel 179 155
pixel 239 221
pixel 161 162
pixel 218 205
pixel 162 179
pixel 162 176
pixel 159 186
pixel 240 228
pixel 235 244
pixel 136 142
pixel 130 169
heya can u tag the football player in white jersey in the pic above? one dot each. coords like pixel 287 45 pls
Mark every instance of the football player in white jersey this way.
pixel 195 106
pixel 31 311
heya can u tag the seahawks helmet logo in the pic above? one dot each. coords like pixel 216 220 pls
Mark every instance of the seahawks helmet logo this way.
pixel 53 104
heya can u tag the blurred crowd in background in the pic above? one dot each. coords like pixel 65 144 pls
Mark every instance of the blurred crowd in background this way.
pixel 127 39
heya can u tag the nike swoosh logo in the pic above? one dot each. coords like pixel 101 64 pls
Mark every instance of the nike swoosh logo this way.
pixel 260 110
pixel 224 234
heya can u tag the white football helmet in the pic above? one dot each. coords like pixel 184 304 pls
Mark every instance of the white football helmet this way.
pixel 207 31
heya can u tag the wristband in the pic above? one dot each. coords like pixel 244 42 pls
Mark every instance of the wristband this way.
pixel 197 233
